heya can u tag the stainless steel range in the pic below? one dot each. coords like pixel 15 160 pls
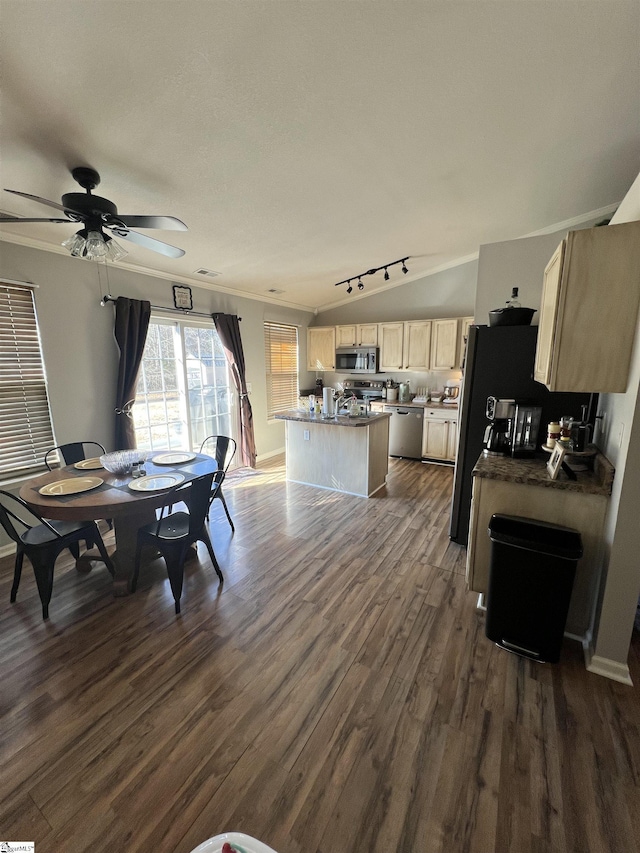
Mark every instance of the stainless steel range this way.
pixel 364 389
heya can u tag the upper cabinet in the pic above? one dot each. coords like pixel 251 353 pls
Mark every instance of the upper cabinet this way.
pixel 321 348
pixel 405 346
pixel 588 313
pixel 357 335
pixel 417 345
pixel 465 323
pixel 444 344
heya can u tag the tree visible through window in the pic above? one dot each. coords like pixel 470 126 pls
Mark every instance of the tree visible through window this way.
pixel 25 419
pixel 281 355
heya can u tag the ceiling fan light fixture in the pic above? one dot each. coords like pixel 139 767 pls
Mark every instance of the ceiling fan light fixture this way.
pixel 96 246
pixel 75 244
pixel 115 252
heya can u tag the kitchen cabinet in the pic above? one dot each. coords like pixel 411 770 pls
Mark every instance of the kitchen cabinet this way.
pixel 465 323
pixel 417 345
pixel 444 344
pixel 357 335
pixel 440 434
pixel 321 348
pixel 588 312
pixel 391 340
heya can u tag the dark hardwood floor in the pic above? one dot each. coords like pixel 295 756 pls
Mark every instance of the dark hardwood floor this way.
pixel 337 695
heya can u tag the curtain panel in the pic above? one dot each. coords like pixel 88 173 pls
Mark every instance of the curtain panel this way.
pixel 228 328
pixel 132 323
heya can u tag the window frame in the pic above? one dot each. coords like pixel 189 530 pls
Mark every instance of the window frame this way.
pixel 270 338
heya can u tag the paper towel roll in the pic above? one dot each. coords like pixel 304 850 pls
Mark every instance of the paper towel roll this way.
pixel 328 402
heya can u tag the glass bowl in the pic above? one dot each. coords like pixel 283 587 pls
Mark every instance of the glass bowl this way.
pixel 122 461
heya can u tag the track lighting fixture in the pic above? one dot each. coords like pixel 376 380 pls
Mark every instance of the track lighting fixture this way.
pixel 348 281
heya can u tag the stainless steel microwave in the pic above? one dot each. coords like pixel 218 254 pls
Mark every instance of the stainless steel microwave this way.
pixel 357 360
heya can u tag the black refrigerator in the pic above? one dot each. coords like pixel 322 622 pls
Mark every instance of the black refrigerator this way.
pixel 499 363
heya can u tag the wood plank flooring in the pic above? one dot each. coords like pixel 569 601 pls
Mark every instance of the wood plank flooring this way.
pixel 338 695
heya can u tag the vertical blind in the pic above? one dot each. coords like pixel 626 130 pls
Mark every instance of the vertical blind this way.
pixel 281 353
pixel 25 419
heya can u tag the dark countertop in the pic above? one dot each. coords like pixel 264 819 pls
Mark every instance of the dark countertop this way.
pixel 340 420
pixel 533 472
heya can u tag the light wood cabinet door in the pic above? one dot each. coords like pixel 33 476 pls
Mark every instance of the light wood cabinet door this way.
pixel 321 348
pixel 346 336
pixel 452 440
pixel 367 335
pixel 548 316
pixel 589 309
pixel 434 438
pixel 391 339
pixel 465 323
pixel 444 344
pixel 417 345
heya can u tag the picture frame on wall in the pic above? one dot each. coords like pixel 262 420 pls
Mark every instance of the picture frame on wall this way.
pixel 182 297
pixel 555 460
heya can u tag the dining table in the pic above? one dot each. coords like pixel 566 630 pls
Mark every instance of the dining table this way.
pixel 87 491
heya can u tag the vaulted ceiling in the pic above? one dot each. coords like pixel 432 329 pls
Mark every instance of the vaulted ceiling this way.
pixel 305 142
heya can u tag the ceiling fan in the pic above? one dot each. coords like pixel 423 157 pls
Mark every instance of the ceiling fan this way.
pixel 98 213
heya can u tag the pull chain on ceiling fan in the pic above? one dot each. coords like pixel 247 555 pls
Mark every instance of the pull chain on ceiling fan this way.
pixel 96 214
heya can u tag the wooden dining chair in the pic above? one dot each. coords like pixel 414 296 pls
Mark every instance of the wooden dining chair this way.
pixel 172 534
pixel 223 449
pixel 74 451
pixel 42 541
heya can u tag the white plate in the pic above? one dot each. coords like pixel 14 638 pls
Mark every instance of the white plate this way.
pixel 89 464
pixel 237 840
pixel 71 487
pixel 173 458
pixel 156 482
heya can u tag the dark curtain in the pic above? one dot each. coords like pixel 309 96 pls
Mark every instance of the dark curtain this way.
pixel 132 323
pixel 228 328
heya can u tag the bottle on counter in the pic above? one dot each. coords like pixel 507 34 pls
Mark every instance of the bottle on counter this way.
pixel 553 433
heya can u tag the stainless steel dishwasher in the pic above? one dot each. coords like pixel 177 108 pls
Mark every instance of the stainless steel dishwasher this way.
pixel 405 430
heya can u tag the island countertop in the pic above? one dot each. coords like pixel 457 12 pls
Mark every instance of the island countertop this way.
pixel 533 472
pixel 340 420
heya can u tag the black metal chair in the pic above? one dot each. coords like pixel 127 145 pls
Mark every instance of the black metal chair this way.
pixel 42 541
pixel 173 534
pixel 223 449
pixel 75 451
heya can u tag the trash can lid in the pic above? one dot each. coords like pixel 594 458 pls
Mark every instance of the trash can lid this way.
pixel 534 535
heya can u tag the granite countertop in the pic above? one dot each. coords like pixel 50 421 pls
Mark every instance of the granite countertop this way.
pixel 533 472
pixel 340 420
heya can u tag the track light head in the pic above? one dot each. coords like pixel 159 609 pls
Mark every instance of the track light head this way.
pixel 386 274
pixel 404 268
pixel 349 289
pixel 360 285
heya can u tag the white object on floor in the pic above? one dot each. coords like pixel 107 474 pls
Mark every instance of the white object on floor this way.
pixel 238 840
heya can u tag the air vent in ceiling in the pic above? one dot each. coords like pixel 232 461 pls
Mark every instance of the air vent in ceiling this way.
pixel 203 271
pixel 274 290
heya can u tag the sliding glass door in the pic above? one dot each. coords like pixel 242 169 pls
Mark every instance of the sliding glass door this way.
pixel 184 388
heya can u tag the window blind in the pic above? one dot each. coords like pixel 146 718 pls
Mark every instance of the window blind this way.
pixel 25 418
pixel 281 353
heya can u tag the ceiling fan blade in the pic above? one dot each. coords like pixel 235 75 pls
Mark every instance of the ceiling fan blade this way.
pixel 147 242
pixel 45 201
pixel 165 223
pixel 25 219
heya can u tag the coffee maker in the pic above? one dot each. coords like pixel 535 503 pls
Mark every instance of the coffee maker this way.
pixel 525 429
pixel 497 435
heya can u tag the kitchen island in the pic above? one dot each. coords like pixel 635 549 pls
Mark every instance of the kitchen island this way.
pixel 523 487
pixel 341 453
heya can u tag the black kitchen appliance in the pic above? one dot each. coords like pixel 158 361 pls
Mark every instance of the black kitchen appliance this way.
pixel 525 429
pixel 499 413
pixel 499 362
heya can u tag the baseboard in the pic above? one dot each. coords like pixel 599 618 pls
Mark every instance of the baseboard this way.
pixel 270 454
pixel 605 666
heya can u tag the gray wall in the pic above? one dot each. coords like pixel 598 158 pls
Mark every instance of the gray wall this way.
pixel 450 293
pixel 80 353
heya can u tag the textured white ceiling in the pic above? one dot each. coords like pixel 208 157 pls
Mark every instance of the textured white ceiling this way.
pixel 304 142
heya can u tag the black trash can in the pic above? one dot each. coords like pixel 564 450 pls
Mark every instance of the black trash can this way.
pixel 533 565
